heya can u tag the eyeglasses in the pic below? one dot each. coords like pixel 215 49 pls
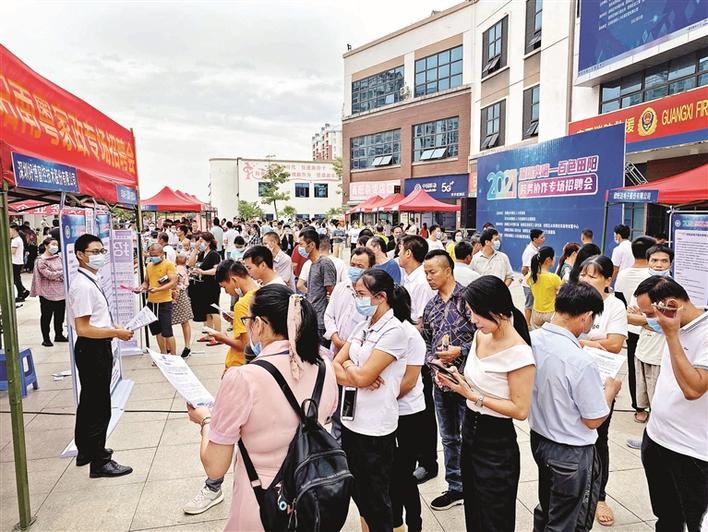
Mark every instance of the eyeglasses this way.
pixel 96 251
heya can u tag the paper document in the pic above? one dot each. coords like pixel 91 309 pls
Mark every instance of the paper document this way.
pixel 607 363
pixel 141 319
pixel 179 375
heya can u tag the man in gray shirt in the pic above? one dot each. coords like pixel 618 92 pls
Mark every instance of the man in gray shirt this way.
pixel 322 278
pixel 568 404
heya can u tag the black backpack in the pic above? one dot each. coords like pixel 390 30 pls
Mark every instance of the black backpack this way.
pixel 311 491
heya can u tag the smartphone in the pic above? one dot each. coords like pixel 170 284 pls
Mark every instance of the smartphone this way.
pixel 439 368
pixel 163 280
pixel 348 403
pixel 226 313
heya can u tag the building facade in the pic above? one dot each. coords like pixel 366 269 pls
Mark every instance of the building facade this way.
pixel 327 144
pixel 313 186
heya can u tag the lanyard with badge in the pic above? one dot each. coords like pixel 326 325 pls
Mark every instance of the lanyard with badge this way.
pixel 108 305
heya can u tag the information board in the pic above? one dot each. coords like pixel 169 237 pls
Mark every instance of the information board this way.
pixel 689 239
pixel 558 186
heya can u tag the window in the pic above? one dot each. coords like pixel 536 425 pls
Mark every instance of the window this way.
pixel 534 10
pixel 493 118
pixel 678 75
pixel 262 189
pixel 531 108
pixel 439 72
pixel 302 190
pixel 377 149
pixel 436 140
pixel 321 190
pixel 378 90
pixel 494 47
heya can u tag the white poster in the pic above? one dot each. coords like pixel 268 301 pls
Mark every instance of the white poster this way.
pixel 690 243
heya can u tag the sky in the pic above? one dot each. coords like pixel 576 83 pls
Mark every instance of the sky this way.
pixel 197 80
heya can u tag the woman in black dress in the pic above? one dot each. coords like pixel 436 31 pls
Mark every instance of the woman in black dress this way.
pixel 204 290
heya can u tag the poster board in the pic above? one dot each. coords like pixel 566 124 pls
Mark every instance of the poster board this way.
pixel 689 239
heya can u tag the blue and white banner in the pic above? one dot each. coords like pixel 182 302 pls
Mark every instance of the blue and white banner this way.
pixel 439 187
pixel 126 195
pixel 558 186
pixel 31 172
pixel 689 238
pixel 633 196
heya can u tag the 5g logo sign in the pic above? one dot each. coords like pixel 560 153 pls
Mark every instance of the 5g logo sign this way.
pixel 502 184
pixel 447 186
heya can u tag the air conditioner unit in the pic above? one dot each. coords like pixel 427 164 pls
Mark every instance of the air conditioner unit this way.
pixel 404 92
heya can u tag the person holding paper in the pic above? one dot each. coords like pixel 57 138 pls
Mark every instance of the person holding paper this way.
pixel 568 404
pixel 91 319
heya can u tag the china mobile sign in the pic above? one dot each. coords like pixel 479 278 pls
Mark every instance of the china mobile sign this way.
pixel 557 186
pixel 439 187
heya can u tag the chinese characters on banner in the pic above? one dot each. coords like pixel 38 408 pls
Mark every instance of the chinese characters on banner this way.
pixel 363 190
pixel 633 196
pixel 123 265
pixel 557 186
pixel 31 172
pixel 255 170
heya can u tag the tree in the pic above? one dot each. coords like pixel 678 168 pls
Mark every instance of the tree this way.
pixel 337 166
pixel 249 210
pixel 273 178
pixel 289 211
pixel 334 212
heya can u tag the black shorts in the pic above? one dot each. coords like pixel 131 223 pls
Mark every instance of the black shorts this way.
pixel 163 325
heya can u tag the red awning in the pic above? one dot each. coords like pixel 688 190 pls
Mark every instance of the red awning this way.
pixel 374 206
pixel 364 204
pixel 420 201
pixel 389 202
pixel 168 200
pixel 687 187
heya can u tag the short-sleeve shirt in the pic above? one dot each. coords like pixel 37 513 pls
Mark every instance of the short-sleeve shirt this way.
pixel 464 274
pixel 376 411
pixel 419 290
pixel 677 423
pixel 230 236
pixel 206 262
pixel 170 253
pixel 613 320
pixel 241 310
pixel 434 244
pixel 86 299
pixel 498 265
pixel 18 257
pixel 154 273
pixel 622 255
pixel 544 291
pixel 414 401
pixel 218 233
pixel 627 282
pixel 322 274
pixel 489 375
pixel 566 390
pixel 392 268
pixel 526 257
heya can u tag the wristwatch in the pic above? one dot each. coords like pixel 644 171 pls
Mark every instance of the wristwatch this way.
pixel 479 401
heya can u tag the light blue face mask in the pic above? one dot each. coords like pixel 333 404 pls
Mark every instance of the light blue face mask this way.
pixel 202 247
pixel 654 324
pixel 665 273
pixel 256 348
pixel 496 244
pixel 302 251
pixel 355 273
pixel 155 260
pixel 364 306
pixel 97 261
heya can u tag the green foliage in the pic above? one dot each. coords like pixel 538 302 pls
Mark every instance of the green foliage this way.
pixel 337 165
pixel 250 210
pixel 289 211
pixel 273 178
pixel 334 212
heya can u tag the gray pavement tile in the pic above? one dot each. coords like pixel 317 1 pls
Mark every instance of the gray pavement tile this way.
pixel 43 474
pixel 630 489
pixel 143 375
pixel 135 435
pixel 144 391
pixel 180 431
pixel 161 503
pixel 149 404
pixel 450 520
pixel 179 409
pixel 216 525
pixel 51 422
pixel 177 461
pixel 109 507
pixel 41 444
pixel 10 514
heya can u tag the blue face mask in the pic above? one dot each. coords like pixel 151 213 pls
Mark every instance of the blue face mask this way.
pixel 97 261
pixel 202 247
pixel 155 260
pixel 654 324
pixel 355 273
pixel 302 251
pixel 496 244
pixel 665 273
pixel 256 348
pixel 364 306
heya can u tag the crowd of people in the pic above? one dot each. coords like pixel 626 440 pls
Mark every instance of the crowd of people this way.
pixel 419 331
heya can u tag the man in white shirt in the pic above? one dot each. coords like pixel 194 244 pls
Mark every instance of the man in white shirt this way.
pixel 218 233
pixel 170 253
pixel 435 240
pixel 537 240
pixel 491 261
pixel 94 329
pixel 17 249
pixel 462 272
pixel 282 264
pixel 622 256
pixel 353 235
pixel 259 263
pixel 229 238
pixel 675 445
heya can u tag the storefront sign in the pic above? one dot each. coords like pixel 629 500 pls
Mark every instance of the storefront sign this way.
pixel 678 119
pixel 363 190
pixel 612 30
pixel 439 187
pixel 308 171
pixel 689 238
pixel 31 172
pixel 633 196
pixel 557 186
pixel 127 195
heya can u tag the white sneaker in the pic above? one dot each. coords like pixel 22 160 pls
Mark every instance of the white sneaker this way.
pixel 204 500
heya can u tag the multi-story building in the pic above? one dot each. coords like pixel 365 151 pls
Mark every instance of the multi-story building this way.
pixel 646 65
pixel 327 144
pixel 313 186
pixel 424 103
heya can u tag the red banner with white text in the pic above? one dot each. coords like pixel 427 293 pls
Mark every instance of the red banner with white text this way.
pixel 40 119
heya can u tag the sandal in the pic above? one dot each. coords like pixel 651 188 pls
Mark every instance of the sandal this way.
pixel 604 514
pixel 637 416
pixel 213 342
pixel 205 338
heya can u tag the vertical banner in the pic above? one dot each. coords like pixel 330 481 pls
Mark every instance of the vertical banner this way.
pixel 689 237
pixel 558 186
pixel 123 264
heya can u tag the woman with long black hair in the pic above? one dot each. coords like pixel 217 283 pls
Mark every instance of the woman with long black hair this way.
pixel 373 362
pixel 497 383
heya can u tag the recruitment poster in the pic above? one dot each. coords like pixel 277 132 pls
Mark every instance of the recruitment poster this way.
pixel 558 186
pixel 689 238
pixel 123 273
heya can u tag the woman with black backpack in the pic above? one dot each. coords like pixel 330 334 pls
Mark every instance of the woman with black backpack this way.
pixel 251 407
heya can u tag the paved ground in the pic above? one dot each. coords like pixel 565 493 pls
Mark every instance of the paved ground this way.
pixel 163 450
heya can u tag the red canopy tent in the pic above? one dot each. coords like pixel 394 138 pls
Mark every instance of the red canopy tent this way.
pixel 374 205
pixel 364 204
pixel 420 201
pixel 391 199
pixel 168 200
pixel 687 187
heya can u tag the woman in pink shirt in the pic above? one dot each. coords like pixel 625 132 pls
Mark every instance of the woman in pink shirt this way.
pixel 250 406
pixel 48 284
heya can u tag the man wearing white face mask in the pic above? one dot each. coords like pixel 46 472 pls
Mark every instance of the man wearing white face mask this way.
pixel 435 242
pixel 491 261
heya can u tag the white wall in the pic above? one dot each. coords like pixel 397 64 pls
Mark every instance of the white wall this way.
pixel 223 186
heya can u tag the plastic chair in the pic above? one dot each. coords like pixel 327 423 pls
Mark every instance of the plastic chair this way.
pixel 28 375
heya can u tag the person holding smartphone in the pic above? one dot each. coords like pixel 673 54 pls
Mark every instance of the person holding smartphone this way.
pixel 497 383
pixel 370 366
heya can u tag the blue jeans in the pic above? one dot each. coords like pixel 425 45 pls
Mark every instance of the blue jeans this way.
pixel 450 409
